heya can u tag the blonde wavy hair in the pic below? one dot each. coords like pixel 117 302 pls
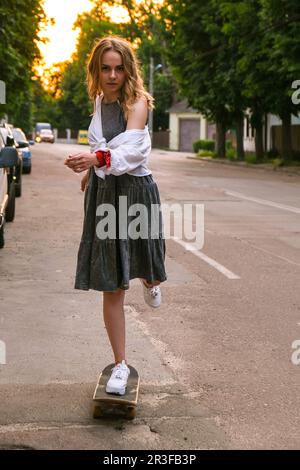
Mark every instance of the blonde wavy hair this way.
pixel 133 87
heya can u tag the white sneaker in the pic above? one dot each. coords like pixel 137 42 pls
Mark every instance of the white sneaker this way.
pixel 152 295
pixel 118 380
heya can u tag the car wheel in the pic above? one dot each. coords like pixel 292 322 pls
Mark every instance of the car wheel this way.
pixel 10 210
pixel 19 187
pixel 27 170
pixel 2 236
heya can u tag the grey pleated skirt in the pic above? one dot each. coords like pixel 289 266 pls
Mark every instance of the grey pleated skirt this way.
pixel 107 264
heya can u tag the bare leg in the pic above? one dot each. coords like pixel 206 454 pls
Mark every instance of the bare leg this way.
pixel 154 283
pixel 114 319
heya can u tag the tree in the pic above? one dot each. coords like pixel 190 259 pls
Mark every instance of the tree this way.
pixel 244 32
pixel 267 33
pixel 203 63
pixel 20 21
pixel 282 21
pixel 143 31
pixel 45 105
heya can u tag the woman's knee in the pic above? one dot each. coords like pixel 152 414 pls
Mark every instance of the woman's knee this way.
pixel 114 294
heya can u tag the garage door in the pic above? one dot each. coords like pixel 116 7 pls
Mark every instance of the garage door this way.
pixel 189 131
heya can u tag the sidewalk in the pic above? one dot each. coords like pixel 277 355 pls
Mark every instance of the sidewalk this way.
pixel 260 166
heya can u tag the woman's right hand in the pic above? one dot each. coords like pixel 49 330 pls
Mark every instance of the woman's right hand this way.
pixel 84 181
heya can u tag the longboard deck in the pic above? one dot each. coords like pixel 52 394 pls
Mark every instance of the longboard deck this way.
pixel 108 401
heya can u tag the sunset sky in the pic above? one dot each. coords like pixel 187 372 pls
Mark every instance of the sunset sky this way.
pixel 62 37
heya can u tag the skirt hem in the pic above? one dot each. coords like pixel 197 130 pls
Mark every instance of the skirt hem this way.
pixel 123 287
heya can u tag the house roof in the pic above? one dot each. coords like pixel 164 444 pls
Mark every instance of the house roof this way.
pixel 182 107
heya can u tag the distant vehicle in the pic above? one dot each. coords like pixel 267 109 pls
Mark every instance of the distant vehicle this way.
pixel 9 141
pixel 46 135
pixel 39 126
pixel 9 159
pixel 23 145
pixel 82 137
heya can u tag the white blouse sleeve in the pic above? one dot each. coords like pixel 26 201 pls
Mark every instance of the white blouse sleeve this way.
pixel 128 151
pixel 125 159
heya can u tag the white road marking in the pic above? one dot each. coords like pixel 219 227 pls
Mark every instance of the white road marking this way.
pixel 256 247
pixel 264 202
pixel 207 259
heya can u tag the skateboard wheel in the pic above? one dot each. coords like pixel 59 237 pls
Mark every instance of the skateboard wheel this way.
pixel 131 413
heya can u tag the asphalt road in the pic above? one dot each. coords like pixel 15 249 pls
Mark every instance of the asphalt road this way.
pixel 217 364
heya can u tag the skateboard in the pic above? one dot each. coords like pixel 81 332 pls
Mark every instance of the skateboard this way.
pixel 108 403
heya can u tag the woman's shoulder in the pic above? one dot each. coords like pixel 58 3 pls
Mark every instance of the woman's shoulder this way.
pixel 140 104
pixel 138 114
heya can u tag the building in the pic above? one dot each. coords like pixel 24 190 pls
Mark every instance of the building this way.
pixel 271 133
pixel 187 125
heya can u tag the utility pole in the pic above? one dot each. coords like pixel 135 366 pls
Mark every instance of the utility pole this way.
pixel 151 89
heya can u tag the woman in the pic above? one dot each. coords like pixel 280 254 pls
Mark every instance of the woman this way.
pixel 117 175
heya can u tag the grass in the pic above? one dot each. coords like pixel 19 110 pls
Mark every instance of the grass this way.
pixel 206 153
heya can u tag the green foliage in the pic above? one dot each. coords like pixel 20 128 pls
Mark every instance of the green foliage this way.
pixel 251 158
pixel 231 154
pixel 204 145
pixel 208 145
pixel 233 55
pixel 20 24
pixel 224 56
pixel 277 163
pixel 206 153
pixel 45 106
pixel 69 83
pixel 282 21
pixel 197 52
pixel 228 144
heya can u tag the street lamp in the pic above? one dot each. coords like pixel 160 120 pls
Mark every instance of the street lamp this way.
pixel 151 91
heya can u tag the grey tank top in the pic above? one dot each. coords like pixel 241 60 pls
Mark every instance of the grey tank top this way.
pixel 113 120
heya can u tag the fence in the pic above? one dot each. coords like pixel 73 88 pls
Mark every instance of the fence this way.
pixel 276 133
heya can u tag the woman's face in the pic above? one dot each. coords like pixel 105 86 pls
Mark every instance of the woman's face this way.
pixel 112 75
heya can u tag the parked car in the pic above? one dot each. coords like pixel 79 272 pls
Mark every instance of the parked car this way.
pixel 23 145
pixel 9 141
pixel 9 160
pixel 46 135
pixel 38 127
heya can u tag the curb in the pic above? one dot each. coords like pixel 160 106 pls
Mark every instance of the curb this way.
pixel 260 166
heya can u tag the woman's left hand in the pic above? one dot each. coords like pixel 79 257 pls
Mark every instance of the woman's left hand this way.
pixel 79 162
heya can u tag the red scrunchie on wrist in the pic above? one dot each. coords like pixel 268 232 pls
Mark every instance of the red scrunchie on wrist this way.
pixel 103 157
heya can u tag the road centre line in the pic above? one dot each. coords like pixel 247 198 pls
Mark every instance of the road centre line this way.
pixel 264 202
pixel 219 267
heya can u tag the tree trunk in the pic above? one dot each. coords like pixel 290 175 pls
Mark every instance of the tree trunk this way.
pixel 259 141
pixel 240 138
pixel 286 149
pixel 220 144
pixel 266 136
